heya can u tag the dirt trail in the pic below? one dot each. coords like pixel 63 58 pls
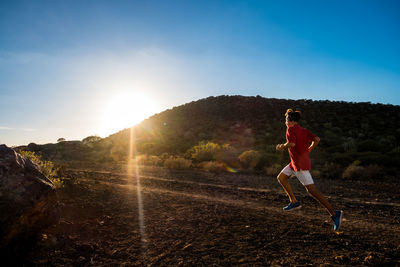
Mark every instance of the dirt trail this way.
pixel 200 219
pixel 124 177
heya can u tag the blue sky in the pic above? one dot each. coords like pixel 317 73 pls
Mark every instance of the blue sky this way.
pixel 77 68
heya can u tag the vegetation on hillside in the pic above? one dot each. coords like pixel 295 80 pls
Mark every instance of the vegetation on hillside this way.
pixel 48 168
pixel 241 133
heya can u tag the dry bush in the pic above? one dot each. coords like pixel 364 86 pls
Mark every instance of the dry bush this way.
pixel 177 163
pixel 374 171
pixel 249 159
pixel 119 152
pixel 164 156
pixel 331 170
pixel 155 161
pixel 315 173
pixel 148 160
pixel 273 170
pixel 204 151
pixel 140 159
pixel 229 155
pixel 213 166
pixel 355 171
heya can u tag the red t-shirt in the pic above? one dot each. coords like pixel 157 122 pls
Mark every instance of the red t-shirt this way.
pixel 299 159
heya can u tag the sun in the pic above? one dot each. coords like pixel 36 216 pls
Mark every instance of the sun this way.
pixel 124 110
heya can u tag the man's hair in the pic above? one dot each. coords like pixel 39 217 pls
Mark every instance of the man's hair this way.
pixel 293 115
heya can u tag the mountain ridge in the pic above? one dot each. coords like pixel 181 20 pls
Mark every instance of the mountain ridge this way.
pixel 350 132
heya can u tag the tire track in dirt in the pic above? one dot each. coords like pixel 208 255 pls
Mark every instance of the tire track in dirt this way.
pixel 232 187
pixel 350 218
pixel 352 221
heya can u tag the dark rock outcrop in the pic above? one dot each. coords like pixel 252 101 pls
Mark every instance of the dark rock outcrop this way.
pixel 28 201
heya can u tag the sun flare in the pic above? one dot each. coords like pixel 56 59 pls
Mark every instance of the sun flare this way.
pixel 124 110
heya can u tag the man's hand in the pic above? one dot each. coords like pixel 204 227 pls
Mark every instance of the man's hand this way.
pixel 281 147
pixel 314 143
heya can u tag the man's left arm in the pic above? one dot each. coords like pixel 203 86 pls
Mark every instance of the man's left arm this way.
pixel 314 143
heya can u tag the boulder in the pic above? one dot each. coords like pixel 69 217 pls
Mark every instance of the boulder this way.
pixel 28 201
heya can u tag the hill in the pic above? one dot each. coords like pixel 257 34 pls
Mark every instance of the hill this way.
pixel 362 134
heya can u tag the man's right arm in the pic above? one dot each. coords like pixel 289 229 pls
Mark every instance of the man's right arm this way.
pixel 281 147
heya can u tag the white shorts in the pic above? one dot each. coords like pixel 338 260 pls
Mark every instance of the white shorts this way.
pixel 303 176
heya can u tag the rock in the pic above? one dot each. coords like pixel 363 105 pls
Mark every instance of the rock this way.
pixel 28 201
pixel 81 260
pixel 372 258
pixel 342 259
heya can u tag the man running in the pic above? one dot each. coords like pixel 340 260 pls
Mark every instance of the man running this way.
pixel 298 141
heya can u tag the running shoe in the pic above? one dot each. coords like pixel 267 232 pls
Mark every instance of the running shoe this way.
pixel 292 206
pixel 337 219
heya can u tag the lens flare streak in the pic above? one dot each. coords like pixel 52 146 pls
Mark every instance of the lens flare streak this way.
pixel 133 168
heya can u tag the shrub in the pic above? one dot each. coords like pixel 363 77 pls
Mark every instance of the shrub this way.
pixel 331 170
pixel 355 171
pixel 46 167
pixel 148 160
pixel 141 159
pixel 204 151
pixel 164 156
pixel 177 163
pixel 315 173
pixel 213 166
pixel 249 159
pixel 228 155
pixel 154 161
pixel 33 147
pixel 273 169
pixel 91 140
pixel 374 171
pixel 119 152
pixel 266 159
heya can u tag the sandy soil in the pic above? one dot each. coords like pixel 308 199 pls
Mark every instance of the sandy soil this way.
pixel 194 218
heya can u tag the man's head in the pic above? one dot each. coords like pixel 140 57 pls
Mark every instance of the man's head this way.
pixel 292 117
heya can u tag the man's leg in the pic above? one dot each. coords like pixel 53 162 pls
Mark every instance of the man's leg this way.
pixel 315 193
pixel 283 180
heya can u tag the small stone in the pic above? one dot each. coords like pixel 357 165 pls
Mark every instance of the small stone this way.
pixel 342 259
pixel 81 259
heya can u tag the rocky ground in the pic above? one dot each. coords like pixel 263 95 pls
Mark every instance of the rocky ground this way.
pixel 195 218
